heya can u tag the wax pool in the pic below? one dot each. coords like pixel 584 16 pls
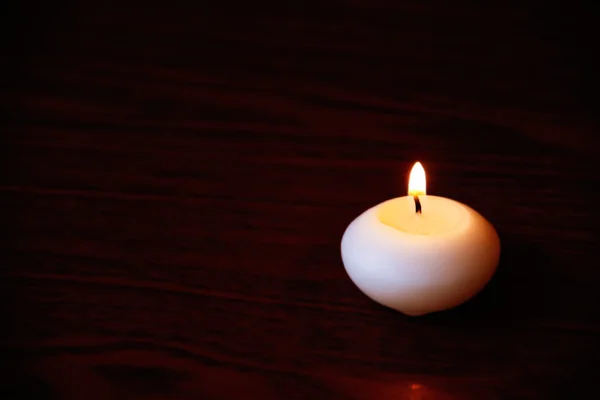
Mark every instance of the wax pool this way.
pixel 418 263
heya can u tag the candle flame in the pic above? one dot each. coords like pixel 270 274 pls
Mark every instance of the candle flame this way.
pixel 417 182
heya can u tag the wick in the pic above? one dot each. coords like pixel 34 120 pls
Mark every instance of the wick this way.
pixel 417 204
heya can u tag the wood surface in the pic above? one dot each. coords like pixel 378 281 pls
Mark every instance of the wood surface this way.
pixel 179 176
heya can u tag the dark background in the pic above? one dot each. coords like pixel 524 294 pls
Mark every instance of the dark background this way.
pixel 178 177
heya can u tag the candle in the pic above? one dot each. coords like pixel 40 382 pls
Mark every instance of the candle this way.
pixel 419 254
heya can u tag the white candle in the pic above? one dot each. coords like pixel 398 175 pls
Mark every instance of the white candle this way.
pixel 420 262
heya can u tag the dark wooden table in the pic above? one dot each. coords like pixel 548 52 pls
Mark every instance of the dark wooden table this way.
pixel 179 176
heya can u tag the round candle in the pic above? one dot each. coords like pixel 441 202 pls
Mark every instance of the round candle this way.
pixel 420 254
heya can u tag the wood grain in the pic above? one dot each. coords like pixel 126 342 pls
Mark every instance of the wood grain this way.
pixel 179 177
